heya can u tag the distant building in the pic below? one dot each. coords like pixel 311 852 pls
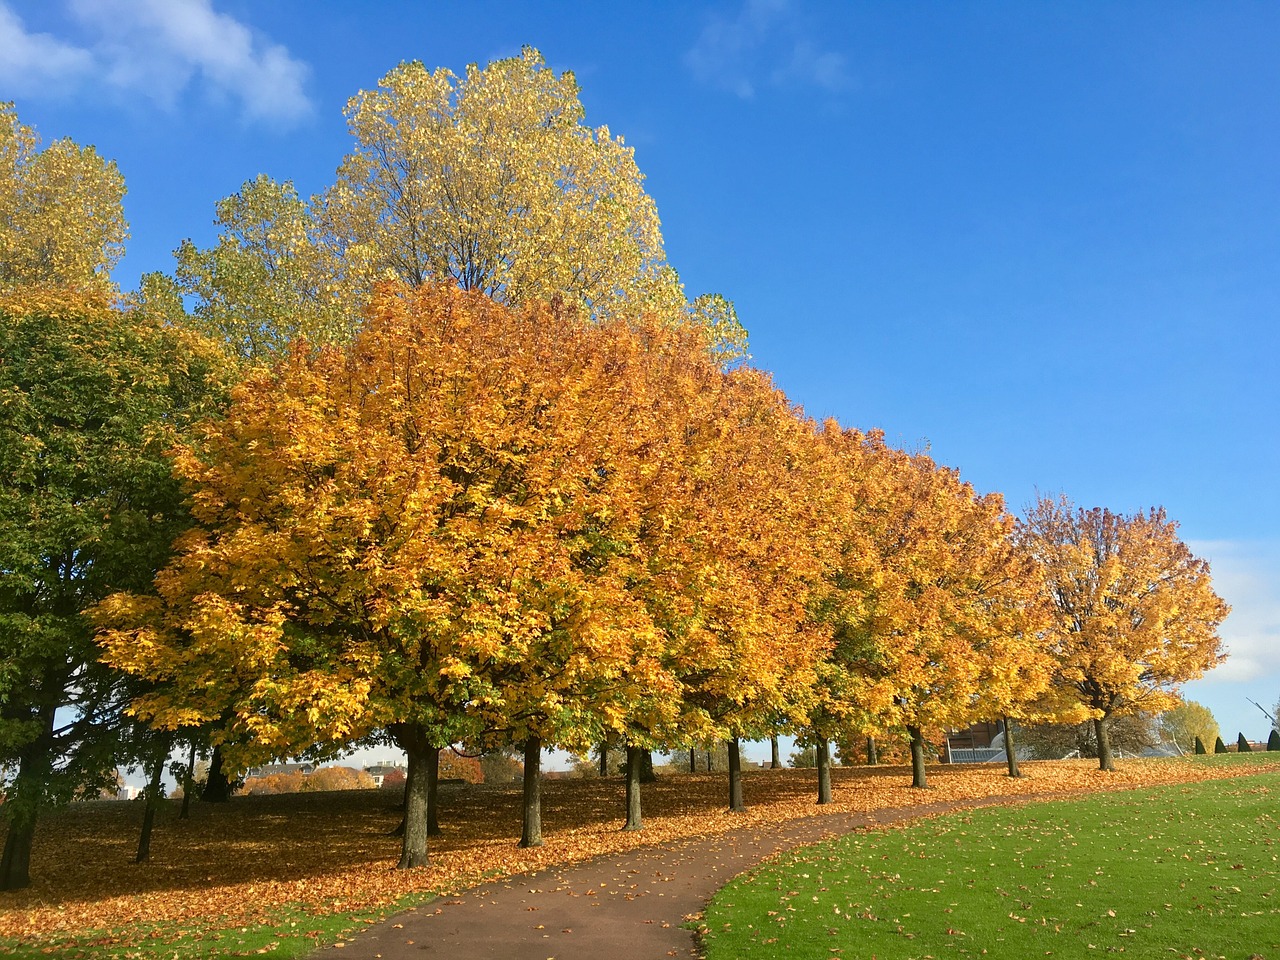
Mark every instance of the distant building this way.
pixel 379 771
pixel 275 769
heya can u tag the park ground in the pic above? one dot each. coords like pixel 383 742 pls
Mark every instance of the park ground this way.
pixel 283 874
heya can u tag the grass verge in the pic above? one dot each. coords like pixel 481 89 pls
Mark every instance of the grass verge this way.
pixel 1176 871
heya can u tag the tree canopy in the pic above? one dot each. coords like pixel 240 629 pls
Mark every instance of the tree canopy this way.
pixel 90 398
pixel 491 181
pixel 1134 611
pixel 61 211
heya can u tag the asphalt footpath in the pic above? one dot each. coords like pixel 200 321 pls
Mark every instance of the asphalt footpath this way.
pixel 631 906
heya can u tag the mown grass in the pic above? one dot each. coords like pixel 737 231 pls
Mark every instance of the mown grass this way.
pixel 1177 871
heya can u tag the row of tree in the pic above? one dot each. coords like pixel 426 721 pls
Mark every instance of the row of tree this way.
pixel 446 456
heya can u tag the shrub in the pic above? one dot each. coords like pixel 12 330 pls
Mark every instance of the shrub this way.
pixel 1219 746
pixel 1273 741
pixel 1242 745
pixel 1200 746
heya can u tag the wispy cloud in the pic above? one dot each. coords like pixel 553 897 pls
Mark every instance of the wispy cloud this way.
pixel 1245 575
pixel 34 62
pixel 765 42
pixel 162 49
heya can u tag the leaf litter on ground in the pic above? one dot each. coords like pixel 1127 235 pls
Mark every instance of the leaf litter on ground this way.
pixel 257 860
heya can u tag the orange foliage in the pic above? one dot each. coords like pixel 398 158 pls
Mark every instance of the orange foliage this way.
pixel 455 767
pixel 1134 614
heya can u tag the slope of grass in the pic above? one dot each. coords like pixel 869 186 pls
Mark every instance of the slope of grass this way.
pixel 1176 871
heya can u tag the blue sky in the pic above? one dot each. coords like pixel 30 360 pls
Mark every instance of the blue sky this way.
pixel 1039 238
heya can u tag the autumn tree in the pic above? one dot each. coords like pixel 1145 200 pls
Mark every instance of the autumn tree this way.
pixel 264 284
pixel 1186 722
pixel 61 211
pixel 491 181
pixel 1134 614
pixel 426 532
pixel 931 605
pixel 90 398
pixel 728 579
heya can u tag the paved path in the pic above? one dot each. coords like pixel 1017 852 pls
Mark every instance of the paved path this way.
pixel 631 906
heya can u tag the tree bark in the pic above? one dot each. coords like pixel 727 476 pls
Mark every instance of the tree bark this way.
pixel 412 739
pixel 531 834
pixel 22 805
pixel 15 866
pixel 417 802
pixel 872 758
pixel 822 749
pixel 152 802
pixel 775 758
pixel 1009 750
pixel 217 788
pixel 918 778
pixel 188 784
pixel 634 770
pixel 433 792
pixel 735 778
pixel 1101 730
pixel 604 758
pixel 693 759
pixel 647 774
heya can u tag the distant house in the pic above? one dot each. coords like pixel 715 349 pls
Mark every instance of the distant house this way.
pixel 379 771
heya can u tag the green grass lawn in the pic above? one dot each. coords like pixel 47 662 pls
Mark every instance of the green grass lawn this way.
pixel 1185 871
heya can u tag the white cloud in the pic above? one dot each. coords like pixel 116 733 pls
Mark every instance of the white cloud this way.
pixel 765 40
pixel 1245 575
pixel 34 62
pixel 161 49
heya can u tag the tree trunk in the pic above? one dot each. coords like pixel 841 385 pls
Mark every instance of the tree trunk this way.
pixel 635 767
pixel 433 792
pixel 15 866
pixel 22 804
pixel 152 802
pixel 646 767
pixel 217 788
pixel 188 784
pixel 1101 729
pixel 693 759
pixel 604 758
pixel 417 804
pixel 735 778
pixel 775 758
pixel 531 834
pixel 872 758
pixel 918 778
pixel 412 739
pixel 822 749
pixel 1010 751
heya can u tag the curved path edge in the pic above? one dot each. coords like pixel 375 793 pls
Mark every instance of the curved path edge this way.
pixel 630 906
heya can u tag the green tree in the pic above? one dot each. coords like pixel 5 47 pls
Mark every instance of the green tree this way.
pixel 90 398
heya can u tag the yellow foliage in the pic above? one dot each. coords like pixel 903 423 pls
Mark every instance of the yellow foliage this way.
pixel 61 211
